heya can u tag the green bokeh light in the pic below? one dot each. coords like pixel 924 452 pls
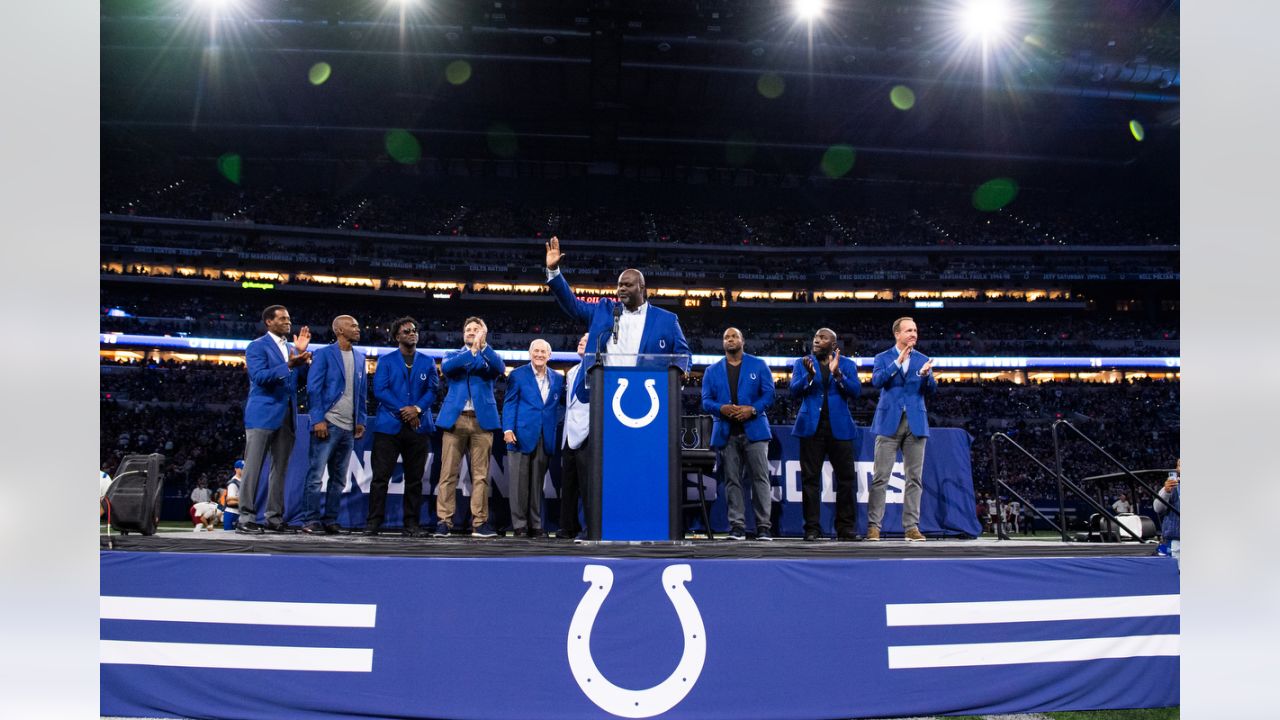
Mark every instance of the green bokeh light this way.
pixel 229 166
pixel 457 72
pixel 995 194
pixel 403 147
pixel 1139 133
pixel 740 148
pixel 771 86
pixel 319 73
pixel 502 140
pixel 902 97
pixel 837 161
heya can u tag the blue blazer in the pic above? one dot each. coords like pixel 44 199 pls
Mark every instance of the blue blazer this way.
pixel 662 333
pixel 395 386
pixel 326 381
pixel 900 394
pixel 755 388
pixel 471 376
pixel 273 387
pixel 525 413
pixel 808 389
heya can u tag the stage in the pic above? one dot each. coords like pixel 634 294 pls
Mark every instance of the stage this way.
pixel 345 626
pixel 390 543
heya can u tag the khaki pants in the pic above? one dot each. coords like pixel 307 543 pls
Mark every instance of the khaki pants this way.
pixel 466 436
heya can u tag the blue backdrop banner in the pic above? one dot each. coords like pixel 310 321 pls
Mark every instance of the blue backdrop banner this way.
pixel 307 636
pixel 947 506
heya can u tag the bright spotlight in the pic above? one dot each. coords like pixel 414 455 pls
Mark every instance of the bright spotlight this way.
pixel 809 9
pixel 986 18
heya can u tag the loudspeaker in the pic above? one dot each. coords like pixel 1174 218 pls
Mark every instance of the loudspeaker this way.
pixel 695 432
pixel 133 499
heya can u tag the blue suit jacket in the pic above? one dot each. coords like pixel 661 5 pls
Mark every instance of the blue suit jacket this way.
pixel 662 333
pixel 808 388
pixel 395 386
pixel 755 388
pixel 273 387
pixel 326 381
pixel 900 394
pixel 471 376
pixel 525 413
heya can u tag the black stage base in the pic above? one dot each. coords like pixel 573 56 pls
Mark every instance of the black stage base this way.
pixel 463 546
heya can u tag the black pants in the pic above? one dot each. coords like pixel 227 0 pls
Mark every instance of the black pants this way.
pixel 813 450
pixel 575 473
pixel 386 448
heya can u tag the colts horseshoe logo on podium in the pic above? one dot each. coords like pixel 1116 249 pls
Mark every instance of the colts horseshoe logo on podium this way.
pixel 666 694
pixel 625 419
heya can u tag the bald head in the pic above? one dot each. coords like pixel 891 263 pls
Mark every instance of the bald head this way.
pixel 733 342
pixel 631 290
pixel 824 341
pixel 346 330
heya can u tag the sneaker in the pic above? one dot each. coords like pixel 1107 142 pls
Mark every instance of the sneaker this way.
pixel 913 535
pixel 764 535
pixel 873 534
pixel 484 530
pixel 443 529
pixel 737 533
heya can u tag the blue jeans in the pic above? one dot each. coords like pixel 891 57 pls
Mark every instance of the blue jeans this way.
pixel 335 453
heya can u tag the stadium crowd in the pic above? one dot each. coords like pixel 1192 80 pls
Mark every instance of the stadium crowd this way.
pixel 772 227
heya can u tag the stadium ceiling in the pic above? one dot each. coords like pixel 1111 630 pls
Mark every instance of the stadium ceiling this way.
pixel 734 83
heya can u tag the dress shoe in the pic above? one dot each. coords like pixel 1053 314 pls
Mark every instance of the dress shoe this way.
pixel 371 530
pixel 810 536
pixel 410 531
pixel 312 529
pixel 534 533
pixel 565 535
pixel 847 537
pixel 332 529
pixel 249 527
pixel 519 533
pixel 280 527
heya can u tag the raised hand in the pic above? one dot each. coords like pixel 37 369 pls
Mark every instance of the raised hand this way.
pixel 905 356
pixel 302 339
pixel 808 364
pixel 481 335
pixel 926 368
pixel 833 362
pixel 554 256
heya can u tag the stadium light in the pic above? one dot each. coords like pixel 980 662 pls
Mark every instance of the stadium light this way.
pixel 985 18
pixel 809 10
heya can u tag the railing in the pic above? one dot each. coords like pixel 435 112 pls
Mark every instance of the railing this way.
pixel 1124 470
pixel 1063 485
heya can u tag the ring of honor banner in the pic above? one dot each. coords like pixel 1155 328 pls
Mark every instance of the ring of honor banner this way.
pixel 309 637
pixel 947 506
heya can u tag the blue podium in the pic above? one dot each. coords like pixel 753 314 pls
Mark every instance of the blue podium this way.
pixel 635 426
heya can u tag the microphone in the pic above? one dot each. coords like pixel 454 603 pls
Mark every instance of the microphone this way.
pixel 617 316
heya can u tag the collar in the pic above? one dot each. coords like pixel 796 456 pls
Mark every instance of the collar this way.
pixel 638 311
pixel 277 338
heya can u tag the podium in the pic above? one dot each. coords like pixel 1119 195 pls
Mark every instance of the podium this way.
pixel 635 444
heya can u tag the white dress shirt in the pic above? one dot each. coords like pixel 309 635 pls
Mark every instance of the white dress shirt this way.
pixel 544 384
pixel 630 330
pixel 282 344
pixel 577 415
